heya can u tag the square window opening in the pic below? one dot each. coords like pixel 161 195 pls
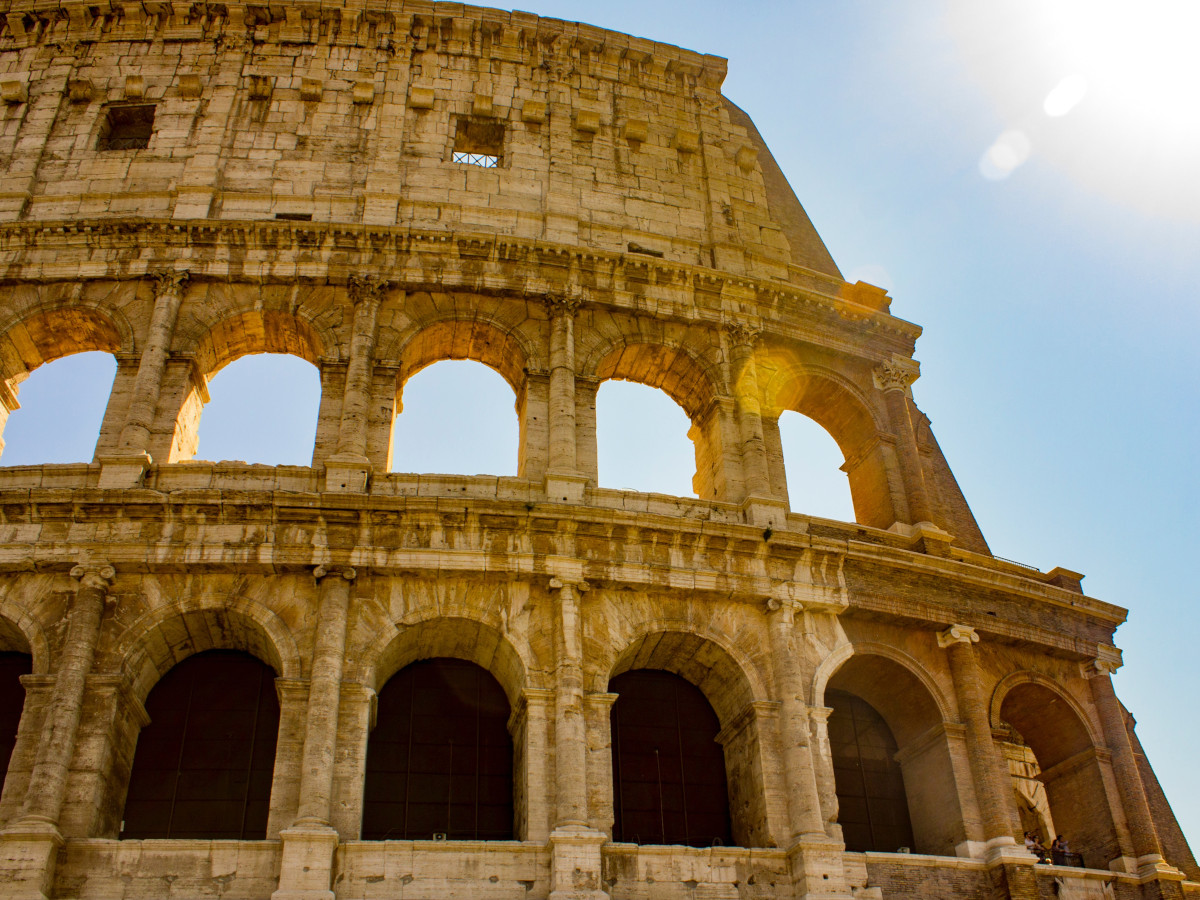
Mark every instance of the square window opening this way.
pixel 478 143
pixel 127 127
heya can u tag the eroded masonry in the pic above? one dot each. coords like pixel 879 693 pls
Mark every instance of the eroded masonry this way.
pixel 252 682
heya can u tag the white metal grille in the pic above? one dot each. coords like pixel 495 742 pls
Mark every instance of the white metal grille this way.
pixel 477 159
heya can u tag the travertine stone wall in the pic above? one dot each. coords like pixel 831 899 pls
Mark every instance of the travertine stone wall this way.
pixel 299 194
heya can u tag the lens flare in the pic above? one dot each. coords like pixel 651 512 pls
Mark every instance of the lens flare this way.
pixel 1008 151
pixel 1065 96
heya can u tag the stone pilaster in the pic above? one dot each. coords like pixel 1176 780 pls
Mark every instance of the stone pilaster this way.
pixel 29 845
pixel 306 872
pixel 893 378
pixel 803 799
pixel 989 772
pixel 126 467
pixel 575 847
pixel 564 482
pixel 1146 846
pixel 349 469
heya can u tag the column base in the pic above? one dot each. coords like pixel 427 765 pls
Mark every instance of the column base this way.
pixel 347 474
pixel 1005 850
pixel 575 865
pixel 765 512
pixel 818 872
pixel 28 855
pixel 1155 868
pixel 565 487
pixel 306 870
pixel 126 470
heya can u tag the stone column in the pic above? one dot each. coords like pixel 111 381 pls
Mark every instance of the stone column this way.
pixel 349 469
pixel 1129 779
pixel 826 783
pixel 575 847
pixel 989 772
pixel 306 871
pixel 803 799
pixel 127 466
pixel 30 843
pixel 563 479
pixel 893 378
pixel 742 338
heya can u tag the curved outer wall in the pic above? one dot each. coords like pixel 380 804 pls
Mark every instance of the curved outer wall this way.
pixel 298 194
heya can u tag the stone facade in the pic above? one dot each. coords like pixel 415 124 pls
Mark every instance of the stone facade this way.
pixel 297 191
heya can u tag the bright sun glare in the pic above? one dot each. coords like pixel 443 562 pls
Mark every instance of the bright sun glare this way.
pixel 1106 90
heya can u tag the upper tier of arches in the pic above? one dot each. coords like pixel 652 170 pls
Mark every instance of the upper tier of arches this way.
pixel 732 383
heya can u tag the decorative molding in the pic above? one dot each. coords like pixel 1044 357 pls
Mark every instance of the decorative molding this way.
pixel 169 281
pixel 1108 659
pixel 743 334
pixel 957 634
pixel 98 576
pixel 366 287
pixel 896 374
pixel 560 303
pixel 347 572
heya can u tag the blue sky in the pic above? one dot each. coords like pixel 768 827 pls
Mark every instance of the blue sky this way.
pixel 1060 302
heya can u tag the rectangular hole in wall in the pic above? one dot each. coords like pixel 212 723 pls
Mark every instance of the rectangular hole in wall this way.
pixel 478 143
pixel 294 217
pixel 127 127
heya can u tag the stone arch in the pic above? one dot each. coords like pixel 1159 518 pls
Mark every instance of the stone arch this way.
pixel 736 694
pixel 897 687
pixel 260 331
pixel 1073 763
pixel 677 369
pixel 167 635
pixel 485 339
pixel 700 656
pixel 456 637
pixel 22 633
pixel 51 330
pixel 835 660
pixel 846 412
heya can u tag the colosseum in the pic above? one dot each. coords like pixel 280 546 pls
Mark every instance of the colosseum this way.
pixel 337 681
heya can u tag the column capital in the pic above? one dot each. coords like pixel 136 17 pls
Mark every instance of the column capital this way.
pixel 366 287
pixel 896 374
pixel 558 584
pixel 170 281
pixel 563 303
pixel 347 572
pixel 1108 660
pixel 957 634
pixel 94 575
pixel 742 333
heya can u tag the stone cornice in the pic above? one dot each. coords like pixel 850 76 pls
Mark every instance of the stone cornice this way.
pixel 337 253
pixel 450 28
pixel 719 559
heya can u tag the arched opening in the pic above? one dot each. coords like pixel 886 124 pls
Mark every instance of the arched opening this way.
pixel 1058 755
pixel 440 759
pixel 871 691
pixel 872 802
pixel 457 417
pixel 203 766
pixel 12 701
pixel 642 440
pixel 669 784
pixel 812 461
pixel 63 404
pixel 262 409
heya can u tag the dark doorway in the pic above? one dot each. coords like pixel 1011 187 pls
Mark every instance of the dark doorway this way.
pixel 668 769
pixel 872 805
pixel 440 760
pixel 12 701
pixel 204 764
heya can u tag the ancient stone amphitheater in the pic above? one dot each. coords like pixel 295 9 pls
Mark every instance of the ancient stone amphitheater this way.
pixel 243 682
